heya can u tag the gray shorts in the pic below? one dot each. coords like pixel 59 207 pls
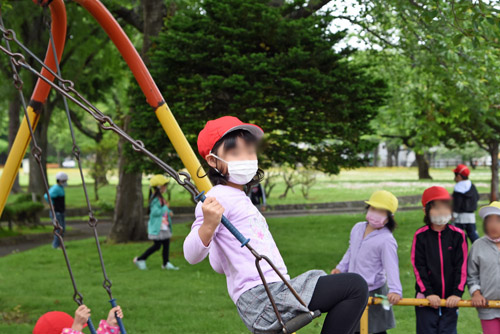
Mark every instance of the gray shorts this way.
pixel 256 310
pixel 380 320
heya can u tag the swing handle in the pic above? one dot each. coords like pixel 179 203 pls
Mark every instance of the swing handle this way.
pixel 118 320
pixel 244 241
pixel 91 326
pixel 300 321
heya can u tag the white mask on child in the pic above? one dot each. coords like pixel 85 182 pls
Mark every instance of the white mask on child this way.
pixel 241 171
pixel 496 240
pixel 440 219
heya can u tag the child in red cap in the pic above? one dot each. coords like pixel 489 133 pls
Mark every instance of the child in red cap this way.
pixel 62 323
pixel 439 259
pixel 230 148
pixel 465 198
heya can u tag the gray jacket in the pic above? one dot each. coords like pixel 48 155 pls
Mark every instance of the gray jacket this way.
pixel 483 273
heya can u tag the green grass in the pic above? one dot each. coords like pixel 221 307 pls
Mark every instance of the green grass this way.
pixel 16 230
pixel 194 299
pixel 349 185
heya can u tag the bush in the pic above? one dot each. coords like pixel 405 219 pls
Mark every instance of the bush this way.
pixel 22 211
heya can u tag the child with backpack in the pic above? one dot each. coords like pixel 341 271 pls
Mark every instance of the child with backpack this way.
pixel 465 198
pixel 159 224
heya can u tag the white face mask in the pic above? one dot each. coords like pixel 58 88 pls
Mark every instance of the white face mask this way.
pixel 240 172
pixel 440 219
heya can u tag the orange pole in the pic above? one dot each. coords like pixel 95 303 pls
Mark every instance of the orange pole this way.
pixel 153 96
pixel 40 93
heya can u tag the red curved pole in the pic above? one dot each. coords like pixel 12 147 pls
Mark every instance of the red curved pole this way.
pixel 127 50
pixel 40 93
pixel 149 88
pixel 58 28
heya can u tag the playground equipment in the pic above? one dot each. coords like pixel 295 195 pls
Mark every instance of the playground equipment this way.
pixel 50 71
pixel 414 302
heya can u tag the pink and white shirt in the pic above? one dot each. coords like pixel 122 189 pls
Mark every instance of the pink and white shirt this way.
pixel 104 328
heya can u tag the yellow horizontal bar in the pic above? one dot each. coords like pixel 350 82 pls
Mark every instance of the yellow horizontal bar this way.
pixel 425 302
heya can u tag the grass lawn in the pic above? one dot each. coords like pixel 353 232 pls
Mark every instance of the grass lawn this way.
pixel 349 185
pixel 194 299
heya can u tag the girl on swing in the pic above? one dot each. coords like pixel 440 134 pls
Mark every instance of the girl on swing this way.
pixel 230 148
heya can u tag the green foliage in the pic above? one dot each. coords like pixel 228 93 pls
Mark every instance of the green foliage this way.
pixel 22 210
pixel 244 58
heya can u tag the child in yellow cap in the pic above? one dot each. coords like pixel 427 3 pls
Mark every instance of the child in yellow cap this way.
pixel 483 269
pixel 373 254
pixel 159 224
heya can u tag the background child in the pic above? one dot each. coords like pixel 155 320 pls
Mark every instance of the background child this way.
pixel 58 197
pixel 483 276
pixel 159 224
pixel 465 198
pixel 229 146
pixel 439 258
pixel 373 253
pixel 62 323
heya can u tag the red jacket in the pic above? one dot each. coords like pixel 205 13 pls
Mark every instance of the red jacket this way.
pixel 439 261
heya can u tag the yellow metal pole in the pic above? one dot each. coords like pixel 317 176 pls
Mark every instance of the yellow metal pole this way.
pixel 425 302
pixel 363 324
pixel 182 147
pixel 16 155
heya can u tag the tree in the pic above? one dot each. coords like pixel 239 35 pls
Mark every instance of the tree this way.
pixel 254 61
pixel 455 43
pixel 128 218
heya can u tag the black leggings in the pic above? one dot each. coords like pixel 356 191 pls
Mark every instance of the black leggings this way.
pixel 344 298
pixel 156 247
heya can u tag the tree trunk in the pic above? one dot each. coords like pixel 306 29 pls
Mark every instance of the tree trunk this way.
pixel 36 184
pixel 128 222
pixel 128 217
pixel 423 167
pixel 390 153
pixel 375 156
pixel 14 123
pixel 493 150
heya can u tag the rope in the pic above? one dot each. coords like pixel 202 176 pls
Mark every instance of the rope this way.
pixel 36 151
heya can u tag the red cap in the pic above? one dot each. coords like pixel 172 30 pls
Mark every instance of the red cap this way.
pixel 462 170
pixel 217 128
pixel 435 193
pixel 53 323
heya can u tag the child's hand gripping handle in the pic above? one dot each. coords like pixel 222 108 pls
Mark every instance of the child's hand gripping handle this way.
pixel 201 197
pixel 118 319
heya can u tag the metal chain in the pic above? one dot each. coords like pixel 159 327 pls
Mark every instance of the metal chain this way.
pixel 105 122
pixel 76 153
pixel 36 151
pixel 66 87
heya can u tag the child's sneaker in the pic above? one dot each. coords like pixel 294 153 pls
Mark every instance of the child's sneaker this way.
pixel 141 264
pixel 169 266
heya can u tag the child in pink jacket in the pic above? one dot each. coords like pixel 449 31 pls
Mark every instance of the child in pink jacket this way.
pixel 63 323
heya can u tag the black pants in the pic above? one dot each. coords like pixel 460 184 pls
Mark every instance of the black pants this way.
pixel 436 321
pixel 156 247
pixel 470 230
pixel 344 298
